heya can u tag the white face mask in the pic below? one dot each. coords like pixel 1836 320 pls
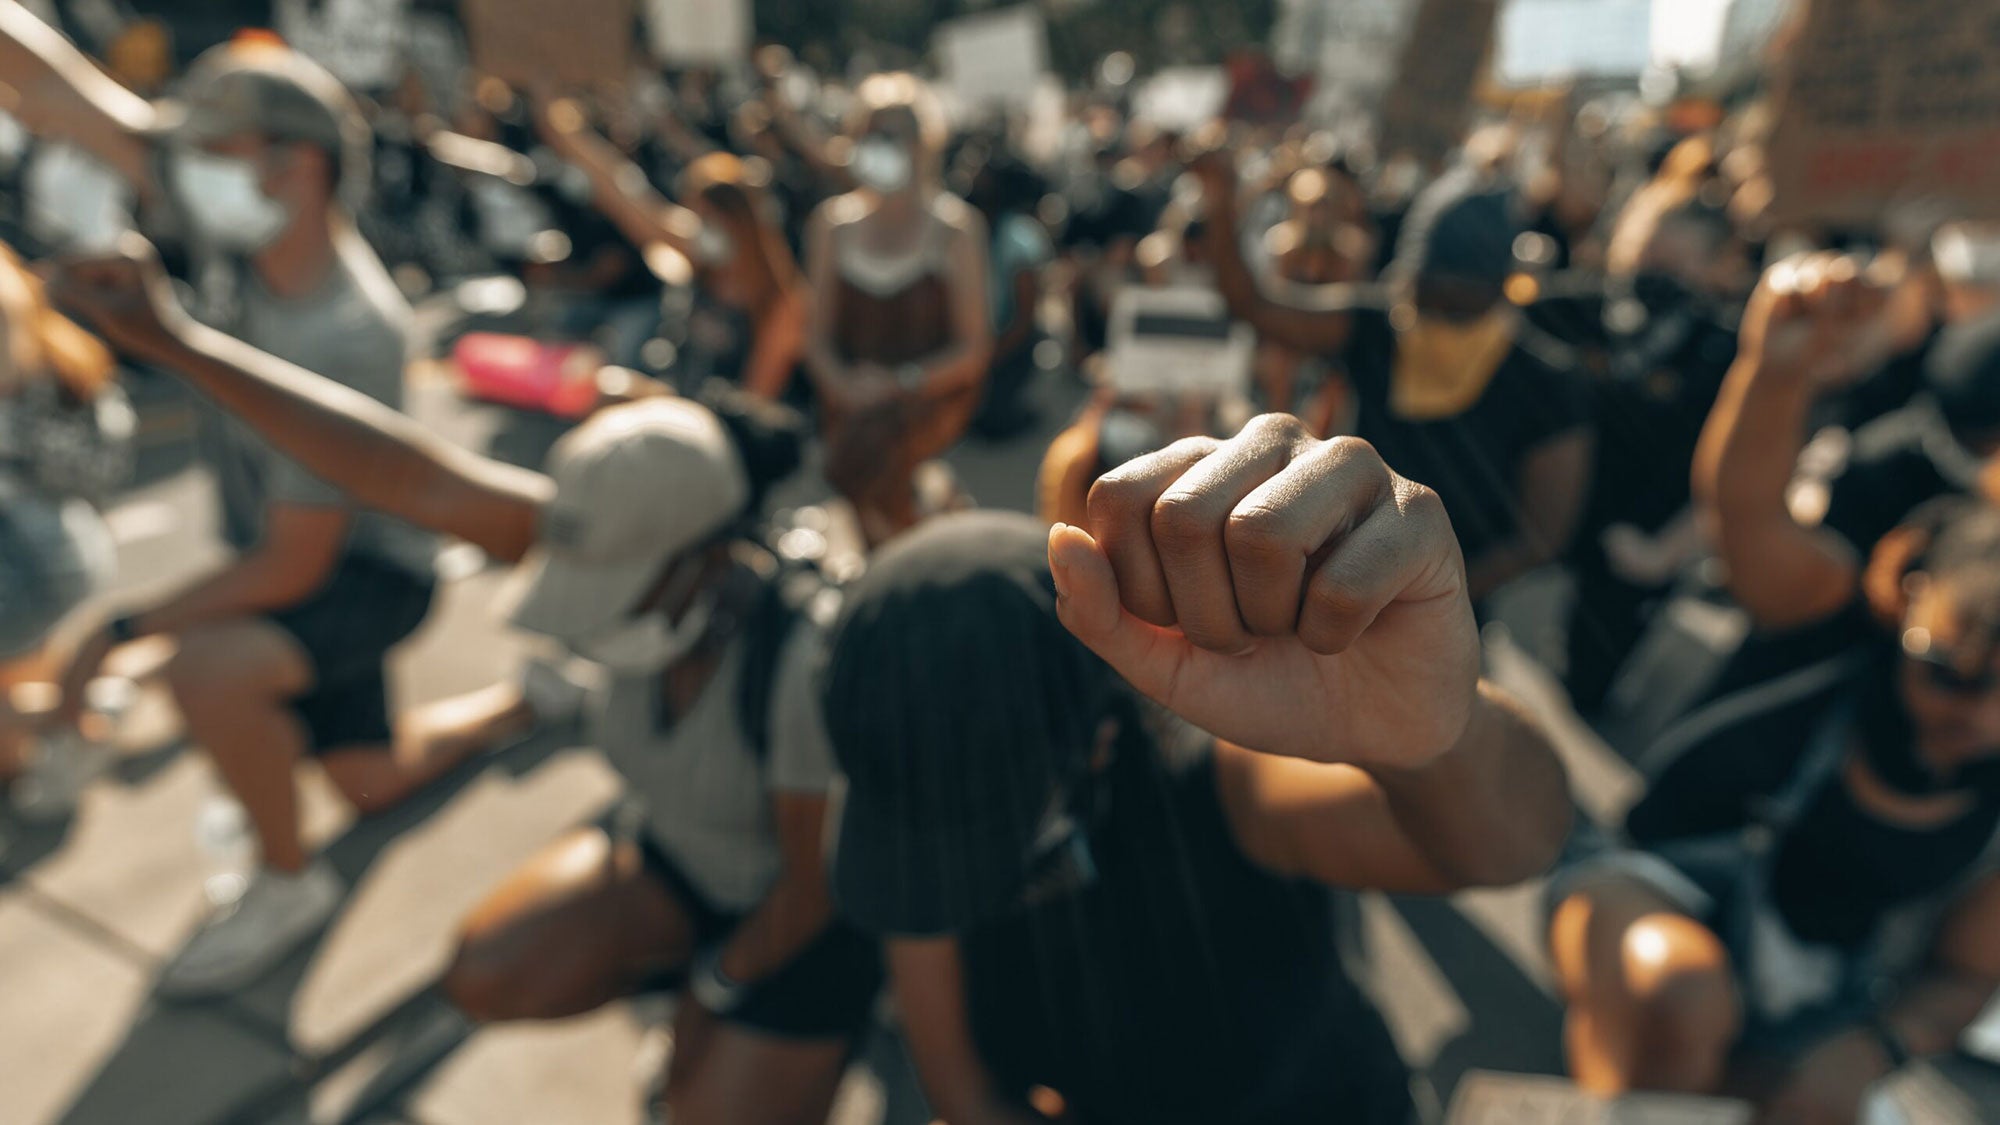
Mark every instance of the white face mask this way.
pixel 713 246
pixel 224 202
pixel 882 165
pixel 643 645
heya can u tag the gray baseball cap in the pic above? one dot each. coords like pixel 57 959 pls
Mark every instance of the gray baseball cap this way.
pixel 272 91
pixel 636 486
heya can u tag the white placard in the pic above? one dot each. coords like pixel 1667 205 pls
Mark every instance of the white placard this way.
pixel 362 42
pixel 75 202
pixel 1357 44
pixel 1688 33
pixel 1543 41
pixel 995 59
pixel 1485 1098
pixel 699 32
pixel 1182 97
pixel 1177 341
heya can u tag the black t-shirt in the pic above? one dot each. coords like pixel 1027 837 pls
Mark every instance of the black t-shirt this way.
pixel 1473 459
pixel 1892 470
pixel 1651 388
pixel 1836 871
pixel 1187 985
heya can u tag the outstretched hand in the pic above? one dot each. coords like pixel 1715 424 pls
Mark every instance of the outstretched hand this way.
pixel 124 296
pixel 1290 595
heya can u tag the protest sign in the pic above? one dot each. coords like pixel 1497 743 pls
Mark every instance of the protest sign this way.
pixel 1881 105
pixel 995 59
pixel 1351 45
pixel 1425 112
pixel 1543 41
pixel 1182 97
pixel 1177 341
pixel 361 41
pixel 1485 1098
pixel 699 32
pixel 516 41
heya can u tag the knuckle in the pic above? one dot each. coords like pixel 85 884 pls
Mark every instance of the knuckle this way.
pixel 1258 535
pixel 1180 521
pixel 1280 428
pixel 1335 601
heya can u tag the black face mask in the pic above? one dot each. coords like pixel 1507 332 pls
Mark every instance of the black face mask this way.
pixel 1889 739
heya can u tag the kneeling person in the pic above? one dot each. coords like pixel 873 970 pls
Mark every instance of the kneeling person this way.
pixel 1092 902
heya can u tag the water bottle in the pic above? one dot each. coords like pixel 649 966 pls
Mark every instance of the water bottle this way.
pixel 228 848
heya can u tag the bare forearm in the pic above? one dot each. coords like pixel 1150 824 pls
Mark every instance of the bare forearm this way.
pixel 1750 448
pixel 61 93
pixel 621 191
pixel 249 585
pixel 377 456
pixel 1495 808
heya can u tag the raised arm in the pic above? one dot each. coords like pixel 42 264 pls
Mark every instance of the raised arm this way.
pixel 1297 598
pixel 1310 319
pixel 1794 337
pixel 619 187
pixel 1483 814
pixel 59 93
pixel 377 456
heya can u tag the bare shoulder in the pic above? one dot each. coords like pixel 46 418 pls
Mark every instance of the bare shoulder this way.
pixel 840 211
pixel 958 216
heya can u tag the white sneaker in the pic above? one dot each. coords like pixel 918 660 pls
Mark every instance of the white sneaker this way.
pixel 247 938
pixel 64 764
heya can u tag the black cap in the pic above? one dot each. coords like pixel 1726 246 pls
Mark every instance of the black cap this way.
pixel 1963 375
pixel 1459 228
pixel 959 708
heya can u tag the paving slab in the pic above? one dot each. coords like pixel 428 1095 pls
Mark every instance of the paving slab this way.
pixel 79 1044
pixel 129 859
pixel 580 1069
pixel 415 873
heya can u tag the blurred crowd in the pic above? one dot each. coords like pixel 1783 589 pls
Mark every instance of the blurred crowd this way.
pixel 1076 791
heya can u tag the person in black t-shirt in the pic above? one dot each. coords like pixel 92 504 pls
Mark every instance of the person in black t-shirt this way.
pixel 1454 388
pixel 1087 895
pixel 1810 897
pixel 1794 548
pixel 1660 335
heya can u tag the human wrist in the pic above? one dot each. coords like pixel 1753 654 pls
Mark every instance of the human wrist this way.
pixel 1481 727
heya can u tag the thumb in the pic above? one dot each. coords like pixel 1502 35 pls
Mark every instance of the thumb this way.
pixel 1088 604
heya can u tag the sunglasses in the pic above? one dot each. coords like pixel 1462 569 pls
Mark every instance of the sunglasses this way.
pixel 1945 674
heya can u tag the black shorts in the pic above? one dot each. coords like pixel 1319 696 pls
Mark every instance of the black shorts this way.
pixel 827 992
pixel 366 607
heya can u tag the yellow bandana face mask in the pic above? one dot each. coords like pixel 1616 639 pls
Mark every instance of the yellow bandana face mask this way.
pixel 1442 368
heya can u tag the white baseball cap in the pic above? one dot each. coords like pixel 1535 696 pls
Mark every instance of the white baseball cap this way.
pixel 636 486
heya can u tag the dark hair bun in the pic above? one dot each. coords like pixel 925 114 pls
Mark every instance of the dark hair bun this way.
pixel 770 437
